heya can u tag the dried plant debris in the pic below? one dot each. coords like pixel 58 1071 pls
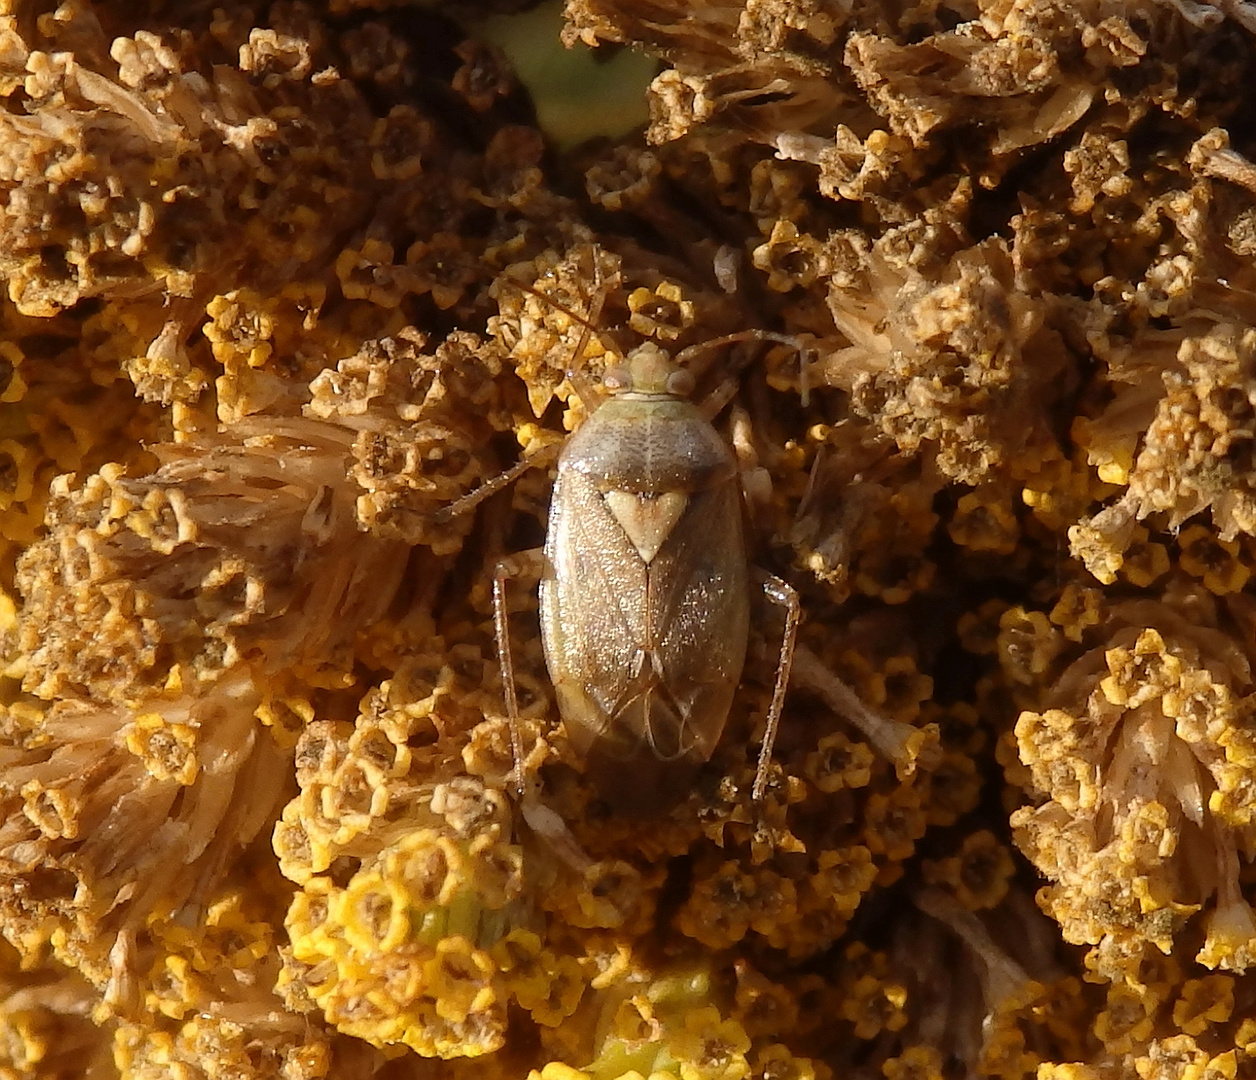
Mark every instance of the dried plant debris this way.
pixel 287 284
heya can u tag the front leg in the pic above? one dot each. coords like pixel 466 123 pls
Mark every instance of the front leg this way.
pixel 544 456
pixel 524 563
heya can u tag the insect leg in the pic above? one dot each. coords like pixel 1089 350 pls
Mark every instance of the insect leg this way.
pixel 720 396
pixel 473 499
pixel 580 382
pixel 782 593
pixel 756 481
pixel 518 565
pixel 576 375
pixel 907 746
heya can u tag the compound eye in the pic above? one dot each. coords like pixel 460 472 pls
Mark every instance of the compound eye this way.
pixel 680 382
pixel 616 379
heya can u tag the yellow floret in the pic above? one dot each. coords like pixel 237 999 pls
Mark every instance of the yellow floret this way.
pixel 1218 562
pixel 661 312
pixel 1203 1003
pixel 402 940
pixel 168 750
pixel 709 1047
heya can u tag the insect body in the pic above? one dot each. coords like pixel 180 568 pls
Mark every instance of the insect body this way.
pixel 645 590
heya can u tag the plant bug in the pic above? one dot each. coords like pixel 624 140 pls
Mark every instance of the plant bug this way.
pixel 645 586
